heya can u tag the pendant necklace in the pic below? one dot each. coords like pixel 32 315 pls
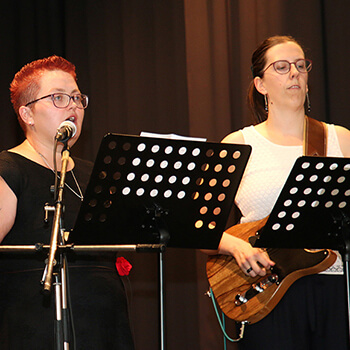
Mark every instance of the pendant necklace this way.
pixel 80 194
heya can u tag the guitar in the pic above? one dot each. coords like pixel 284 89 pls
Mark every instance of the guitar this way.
pixel 250 299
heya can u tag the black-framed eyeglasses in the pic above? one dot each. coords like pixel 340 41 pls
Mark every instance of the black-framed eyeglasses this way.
pixel 62 100
pixel 283 66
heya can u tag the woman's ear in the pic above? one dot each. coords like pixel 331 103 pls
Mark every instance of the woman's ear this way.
pixel 26 115
pixel 259 85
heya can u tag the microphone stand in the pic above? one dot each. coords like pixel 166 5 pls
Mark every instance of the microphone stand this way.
pixel 61 325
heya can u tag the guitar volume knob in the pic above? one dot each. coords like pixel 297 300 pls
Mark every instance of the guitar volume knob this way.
pixel 240 299
pixel 273 278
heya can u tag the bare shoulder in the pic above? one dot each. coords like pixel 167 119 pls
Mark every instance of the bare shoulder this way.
pixel 234 137
pixel 344 139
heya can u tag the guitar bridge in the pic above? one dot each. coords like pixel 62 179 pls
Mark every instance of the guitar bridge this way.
pixel 255 289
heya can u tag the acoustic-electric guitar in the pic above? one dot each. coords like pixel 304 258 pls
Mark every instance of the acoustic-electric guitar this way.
pixel 247 299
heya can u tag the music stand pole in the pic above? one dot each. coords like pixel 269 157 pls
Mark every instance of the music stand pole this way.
pixel 162 301
pixel 162 232
pixel 345 253
pixel 346 271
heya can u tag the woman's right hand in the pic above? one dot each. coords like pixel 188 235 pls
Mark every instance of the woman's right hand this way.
pixel 252 261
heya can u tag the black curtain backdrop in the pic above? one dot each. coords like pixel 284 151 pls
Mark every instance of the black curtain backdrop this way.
pixel 171 67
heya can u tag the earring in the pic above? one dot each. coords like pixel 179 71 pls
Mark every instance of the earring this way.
pixel 266 103
pixel 308 102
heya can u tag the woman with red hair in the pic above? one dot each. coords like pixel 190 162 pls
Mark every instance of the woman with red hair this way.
pixel 44 95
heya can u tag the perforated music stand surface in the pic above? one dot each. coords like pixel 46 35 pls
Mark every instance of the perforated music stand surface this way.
pixel 315 195
pixel 139 184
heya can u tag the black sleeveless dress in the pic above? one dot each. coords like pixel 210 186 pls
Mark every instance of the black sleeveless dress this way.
pixel 96 293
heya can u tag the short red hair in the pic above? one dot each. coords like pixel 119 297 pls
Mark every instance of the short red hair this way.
pixel 25 85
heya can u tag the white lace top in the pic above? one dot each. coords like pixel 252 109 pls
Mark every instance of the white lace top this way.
pixel 267 170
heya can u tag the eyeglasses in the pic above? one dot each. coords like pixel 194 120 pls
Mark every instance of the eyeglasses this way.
pixel 283 66
pixel 62 100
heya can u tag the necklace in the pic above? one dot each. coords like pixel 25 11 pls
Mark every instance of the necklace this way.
pixel 80 194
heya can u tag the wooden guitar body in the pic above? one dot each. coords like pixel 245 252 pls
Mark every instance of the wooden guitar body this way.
pixel 243 298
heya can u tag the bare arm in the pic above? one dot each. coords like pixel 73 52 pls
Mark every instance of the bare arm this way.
pixel 8 208
pixel 246 256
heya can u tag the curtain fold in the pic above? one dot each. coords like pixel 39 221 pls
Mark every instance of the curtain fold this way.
pixel 207 63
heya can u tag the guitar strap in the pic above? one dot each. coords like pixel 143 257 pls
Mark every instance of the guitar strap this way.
pixel 315 138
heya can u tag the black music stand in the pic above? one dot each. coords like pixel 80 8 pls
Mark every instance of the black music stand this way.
pixel 313 210
pixel 160 191
pixel 151 190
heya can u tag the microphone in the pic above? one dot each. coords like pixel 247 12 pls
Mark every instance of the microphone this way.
pixel 66 131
